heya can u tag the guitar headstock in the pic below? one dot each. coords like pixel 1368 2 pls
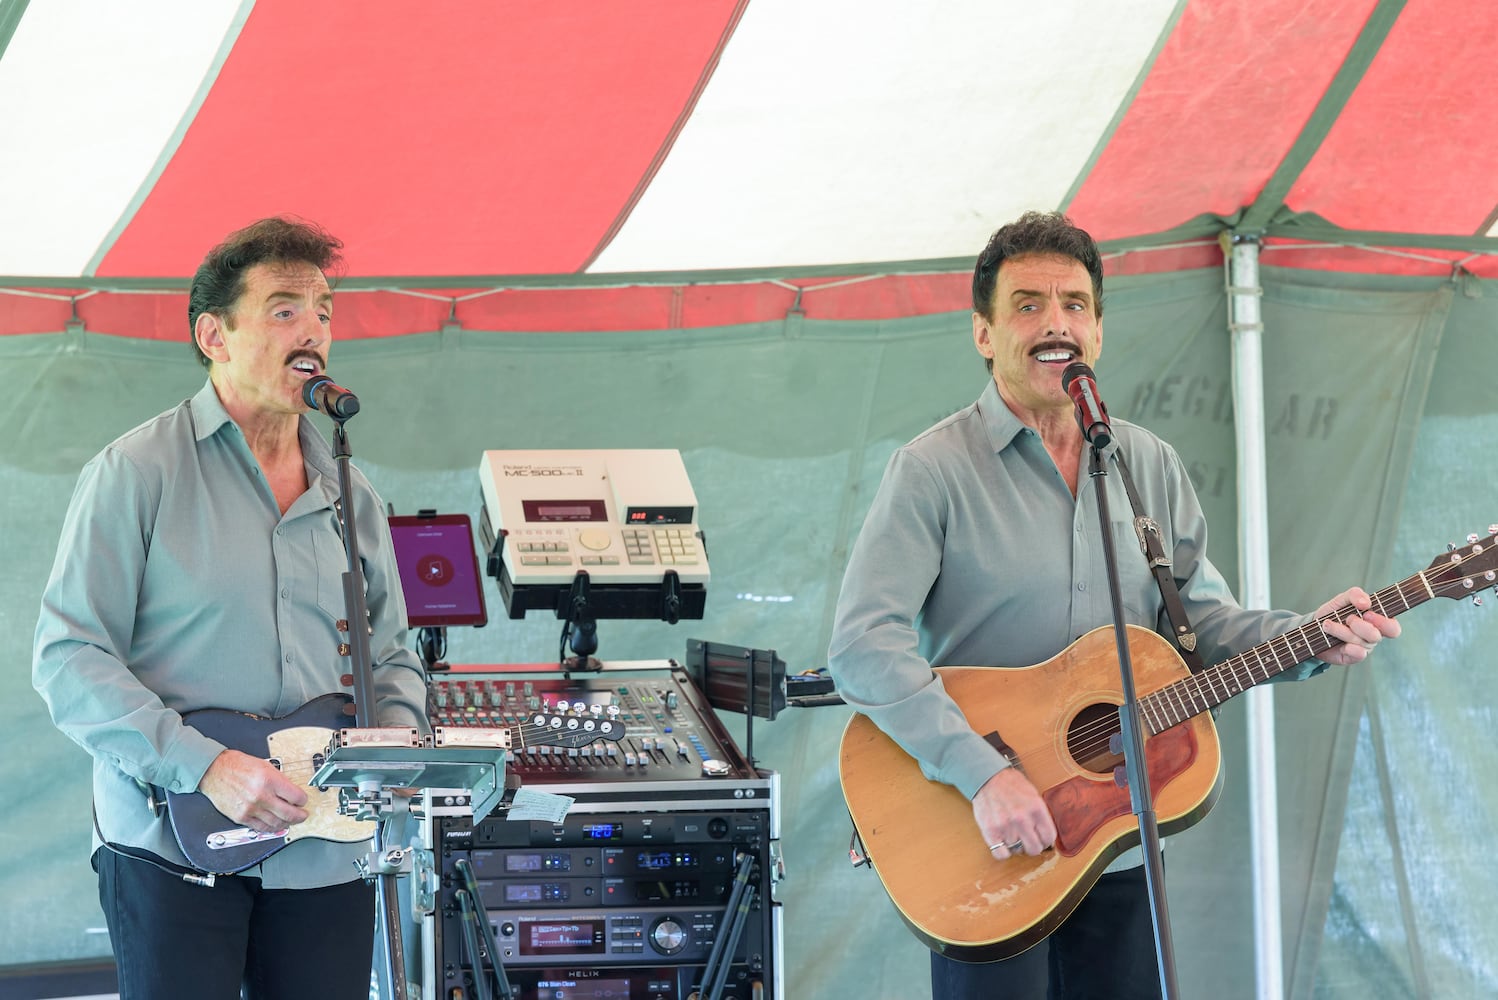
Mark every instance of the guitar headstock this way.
pixel 550 729
pixel 1468 570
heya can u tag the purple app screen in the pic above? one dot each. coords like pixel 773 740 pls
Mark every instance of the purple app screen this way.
pixel 438 572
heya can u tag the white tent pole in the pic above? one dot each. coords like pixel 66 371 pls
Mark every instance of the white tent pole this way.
pixel 1244 320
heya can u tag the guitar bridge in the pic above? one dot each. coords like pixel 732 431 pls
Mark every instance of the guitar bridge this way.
pixel 222 840
pixel 997 742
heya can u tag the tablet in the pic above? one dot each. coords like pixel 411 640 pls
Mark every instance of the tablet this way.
pixel 439 569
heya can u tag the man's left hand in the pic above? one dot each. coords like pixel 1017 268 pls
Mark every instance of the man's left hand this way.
pixel 1360 633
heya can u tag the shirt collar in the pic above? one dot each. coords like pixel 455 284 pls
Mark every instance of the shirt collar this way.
pixel 1003 426
pixel 208 413
pixel 209 416
pixel 998 420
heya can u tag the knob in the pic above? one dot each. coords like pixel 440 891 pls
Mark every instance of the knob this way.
pixel 593 538
pixel 668 936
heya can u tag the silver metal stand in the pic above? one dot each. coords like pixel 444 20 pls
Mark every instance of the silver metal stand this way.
pixel 376 761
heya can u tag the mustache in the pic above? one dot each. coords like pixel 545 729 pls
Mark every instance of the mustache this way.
pixel 1056 345
pixel 306 352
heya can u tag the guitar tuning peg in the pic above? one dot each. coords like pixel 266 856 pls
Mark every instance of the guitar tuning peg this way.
pixel 1493 529
pixel 1477 600
pixel 1472 538
pixel 1450 546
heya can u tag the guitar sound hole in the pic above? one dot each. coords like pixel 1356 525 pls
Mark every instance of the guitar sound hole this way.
pixel 1090 738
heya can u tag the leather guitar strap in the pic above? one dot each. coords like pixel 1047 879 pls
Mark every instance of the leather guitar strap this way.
pixel 1148 530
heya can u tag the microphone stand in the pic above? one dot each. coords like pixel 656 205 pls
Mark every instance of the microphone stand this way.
pixel 386 864
pixel 1136 768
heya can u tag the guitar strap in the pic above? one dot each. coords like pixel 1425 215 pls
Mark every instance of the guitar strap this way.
pixel 1148 530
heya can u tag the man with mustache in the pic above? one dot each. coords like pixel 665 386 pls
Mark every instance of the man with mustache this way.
pixel 200 566
pixel 980 549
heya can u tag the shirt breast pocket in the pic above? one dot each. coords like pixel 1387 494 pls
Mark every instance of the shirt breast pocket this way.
pixel 1135 583
pixel 332 562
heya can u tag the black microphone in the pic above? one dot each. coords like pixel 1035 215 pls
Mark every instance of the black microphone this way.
pixel 1092 416
pixel 324 395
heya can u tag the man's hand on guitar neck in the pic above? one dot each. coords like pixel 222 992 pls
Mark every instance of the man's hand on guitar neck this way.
pixel 1360 633
pixel 251 791
pixel 1008 809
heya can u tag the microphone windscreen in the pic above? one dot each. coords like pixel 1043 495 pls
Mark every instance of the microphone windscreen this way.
pixel 309 390
pixel 1074 371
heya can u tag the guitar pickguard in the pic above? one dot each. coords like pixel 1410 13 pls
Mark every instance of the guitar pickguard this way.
pixel 324 821
pixel 1080 805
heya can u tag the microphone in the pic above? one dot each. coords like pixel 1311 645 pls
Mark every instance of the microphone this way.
pixel 1092 416
pixel 324 395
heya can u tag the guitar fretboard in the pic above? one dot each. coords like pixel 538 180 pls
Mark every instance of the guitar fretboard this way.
pixel 1206 689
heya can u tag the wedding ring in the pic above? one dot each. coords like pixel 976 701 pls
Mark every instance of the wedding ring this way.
pixel 1011 848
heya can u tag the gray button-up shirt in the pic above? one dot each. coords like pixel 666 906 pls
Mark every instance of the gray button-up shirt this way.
pixel 975 553
pixel 179 585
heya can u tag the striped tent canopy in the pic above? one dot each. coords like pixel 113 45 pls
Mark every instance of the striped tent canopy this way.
pixel 514 166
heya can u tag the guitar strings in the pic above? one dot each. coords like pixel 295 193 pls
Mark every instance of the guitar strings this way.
pixel 309 765
pixel 1409 592
pixel 1095 738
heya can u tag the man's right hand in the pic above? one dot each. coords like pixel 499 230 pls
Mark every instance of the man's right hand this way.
pixel 249 790
pixel 1009 809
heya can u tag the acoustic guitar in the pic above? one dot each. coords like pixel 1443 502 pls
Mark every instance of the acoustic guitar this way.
pixel 1058 721
pixel 297 744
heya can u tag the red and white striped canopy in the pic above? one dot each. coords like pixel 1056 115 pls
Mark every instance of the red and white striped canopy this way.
pixel 662 163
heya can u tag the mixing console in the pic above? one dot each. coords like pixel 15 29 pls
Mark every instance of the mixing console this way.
pixel 658 881
pixel 670 733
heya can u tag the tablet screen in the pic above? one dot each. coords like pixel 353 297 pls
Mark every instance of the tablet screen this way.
pixel 439 569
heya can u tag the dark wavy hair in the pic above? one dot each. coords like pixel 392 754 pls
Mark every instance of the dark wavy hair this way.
pixel 1035 233
pixel 219 281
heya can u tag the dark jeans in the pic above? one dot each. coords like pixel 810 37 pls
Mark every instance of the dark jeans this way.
pixel 174 939
pixel 1105 950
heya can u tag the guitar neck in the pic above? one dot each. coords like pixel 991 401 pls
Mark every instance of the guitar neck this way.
pixel 1206 689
